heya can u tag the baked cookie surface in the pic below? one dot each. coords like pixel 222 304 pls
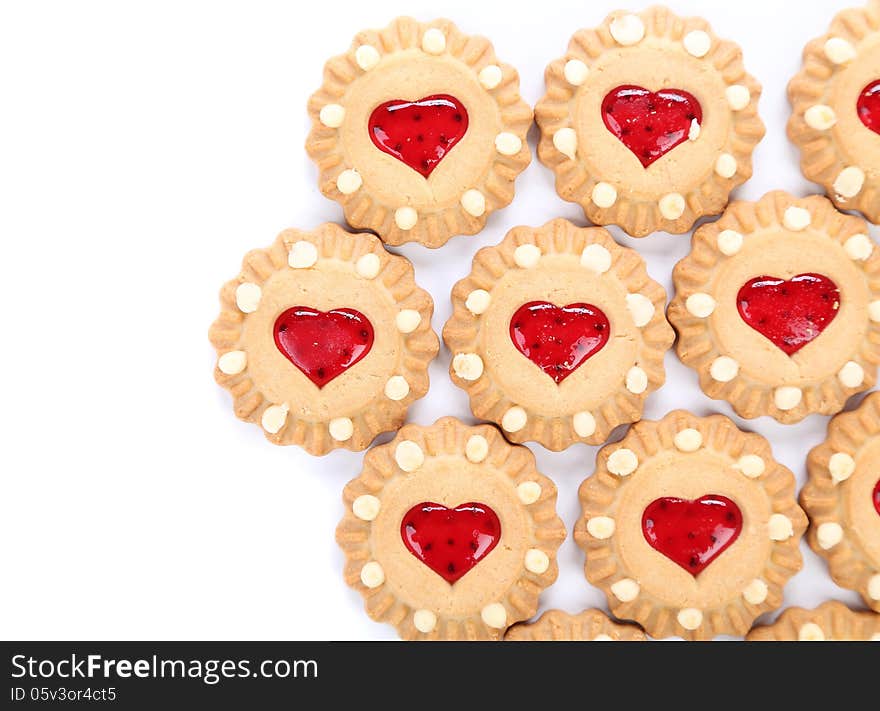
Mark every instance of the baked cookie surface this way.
pixel 690 527
pixel 830 622
pixel 777 307
pixel 419 132
pixel 324 339
pixel 649 121
pixel 587 626
pixel 558 334
pixel 450 533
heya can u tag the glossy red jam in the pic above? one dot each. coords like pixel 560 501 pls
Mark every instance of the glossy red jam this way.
pixel 869 106
pixel 877 497
pixel 323 344
pixel 419 133
pixel 692 533
pixel 790 313
pixel 450 541
pixel 651 123
pixel 559 339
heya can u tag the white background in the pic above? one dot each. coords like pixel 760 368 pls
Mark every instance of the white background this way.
pixel 144 148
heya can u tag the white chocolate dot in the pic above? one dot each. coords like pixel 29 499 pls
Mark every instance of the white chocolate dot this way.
pixel 332 115
pixel 476 449
pixel 851 375
pixel 366 507
pixel 514 419
pixel 405 218
pixel 366 57
pixel 368 266
pixel 724 369
pixel 473 202
pixel 627 30
pixel 811 632
pixel 247 297
pixel 508 144
pixel 302 255
pixel 875 637
pixel 841 467
pixel 396 388
pixel 688 440
pixel 601 527
pixel 603 638
pixel 434 41
pixel 874 587
pixel 726 166
pixel 640 308
pixel 780 527
pixel 576 72
pixel 408 320
pixel 849 182
pixel 596 258
pixel 409 456
pixel 636 380
pixel 697 43
pixel 529 492
pixel 274 417
pixel 527 255
pixel 738 97
pixel 467 366
pixel 490 76
pixel 477 302
pixel 341 428
pixel 694 130
pixel 566 142
pixel 690 618
pixel 537 561
pixel 839 50
pixel 232 363
pixel 622 462
pixel 584 424
pixel 755 593
pixel 700 305
pixel 349 181
pixel 625 590
pixel 750 465
pixel 797 219
pixel 829 535
pixel 494 615
pixel 874 311
pixel 672 206
pixel 729 242
pixel 859 248
pixel 424 621
pixel 787 397
pixel 372 574
pixel 820 117
pixel 604 195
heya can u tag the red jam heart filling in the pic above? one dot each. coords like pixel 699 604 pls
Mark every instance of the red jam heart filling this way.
pixel 323 344
pixel 877 497
pixel 450 541
pixel 419 133
pixel 869 106
pixel 651 123
pixel 790 313
pixel 559 339
pixel 692 533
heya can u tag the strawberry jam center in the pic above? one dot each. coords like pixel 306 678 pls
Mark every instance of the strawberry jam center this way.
pixel 869 106
pixel 876 497
pixel 651 123
pixel 323 344
pixel 559 339
pixel 692 533
pixel 790 313
pixel 450 541
pixel 419 133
